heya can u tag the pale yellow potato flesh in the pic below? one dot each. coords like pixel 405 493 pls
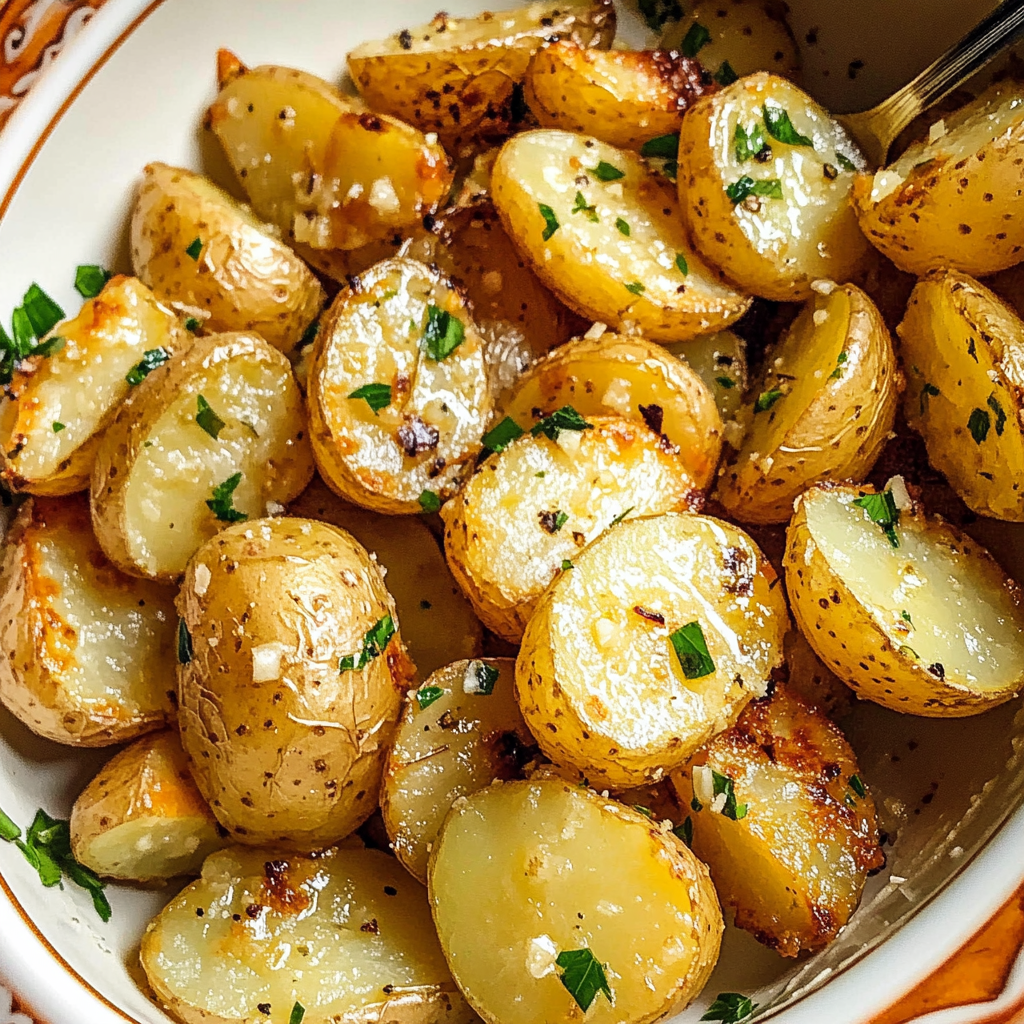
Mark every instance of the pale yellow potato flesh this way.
pixel 536 505
pixel 158 467
pixel 793 854
pixel 774 246
pixel 933 627
pixel 286 744
pixel 88 653
pixel 141 819
pixel 429 433
pixel 954 200
pixel 243 279
pixel 591 264
pixel 346 935
pixel 452 740
pixel 438 623
pixel 80 387
pixel 720 360
pixel 828 401
pixel 612 375
pixel 964 353
pixel 598 647
pixel 524 872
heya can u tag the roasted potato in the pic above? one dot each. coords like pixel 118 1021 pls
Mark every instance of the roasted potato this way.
pixel 208 438
pixel 677 614
pixel 785 823
pixel 720 360
pixel 459 732
pixel 764 183
pixel 87 652
pixel 630 377
pixel 534 885
pixel 438 623
pixel 316 164
pixel 613 250
pixel 824 409
pixel 736 38
pixel 954 200
pixel 56 407
pixel 398 389
pixel 622 97
pixel 346 935
pixel 142 818
pixel 457 76
pixel 521 520
pixel 291 676
pixel 1009 286
pixel 904 608
pixel 241 277
pixel 964 350
pixel 806 677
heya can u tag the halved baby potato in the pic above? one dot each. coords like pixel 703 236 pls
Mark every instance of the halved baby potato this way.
pixel 346 935
pixel 457 76
pixel 629 377
pixel 784 822
pixel 398 389
pixel 655 640
pixel 573 902
pixel 720 360
pixel 824 407
pixel 764 183
pixel 904 608
pixel 604 232
pixel 87 652
pixel 964 351
pixel 808 678
pixel 459 732
pixel 206 439
pixel 954 200
pixel 57 406
pixel 521 520
pixel 206 255
pixel 141 819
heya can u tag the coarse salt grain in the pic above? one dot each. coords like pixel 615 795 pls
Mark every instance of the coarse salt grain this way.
pixel 266 662
pixel 703 784
pixel 596 331
pixel 900 495
pixel 936 131
pixel 383 197
pixel 202 580
pixel 820 316
pixel 823 287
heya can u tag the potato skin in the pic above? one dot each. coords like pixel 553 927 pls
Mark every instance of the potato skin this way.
pixel 87 651
pixel 244 279
pixel 296 759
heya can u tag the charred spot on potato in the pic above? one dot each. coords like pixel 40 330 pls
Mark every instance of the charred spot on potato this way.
pixel 415 436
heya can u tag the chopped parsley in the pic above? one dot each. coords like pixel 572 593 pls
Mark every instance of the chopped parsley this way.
pixel 636 288
pixel 377 637
pixel 881 508
pixel 605 171
pixel 857 785
pixel 552 522
pixel 696 38
pixel 726 74
pixel 567 565
pixel 731 809
pixel 979 425
pixel 685 831
pixel 426 695
pixel 645 811
pixel 483 678
pixel 221 504
pixel 43 313
pixel 841 361
pixel 195 248
pixel 692 651
pixel 623 226
pixel 37 315
pixel 298 1012
pixel 905 616
pixel 57 427
pixel 192 324
pixel 550 220
pixel 430 501
pixel 748 144
pixel 208 419
pixel 768 188
pixel 583 976
pixel 726 382
pixel 444 333
pixel 730 1008
pixel 184 643
pixel 681 265
pixel 50 347
pixel 501 436
pixel 665 147
pixel 151 359
pixel 767 399
pixel 845 162
pixel 376 396
pixel 993 404
pixel 657 12
pixel 928 391
pixel 561 518
pixel 8 830
pixel 566 418
pixel 90 279
pixel 622 515
pixel 780 127
pixel 583 207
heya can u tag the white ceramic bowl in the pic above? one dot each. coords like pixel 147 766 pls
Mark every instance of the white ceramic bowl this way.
pixel 131 89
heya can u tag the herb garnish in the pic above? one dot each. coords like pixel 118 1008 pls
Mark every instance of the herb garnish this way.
pixel 583 207
pixel 685 831
pixel 881 508
pixel 623 226
pixel 695 40
pixel 151 359
pixel 221 504
pixel 725 382
pixel 681 265
pixel 726 74
pixel 622 515
pixel 730 1008
pixel 748 144
pixel 664 146
pixel 376 396
pixel 483 678
pixel 501 436
pixel 657 12
pixel 37 315
pixel 692 651
pixel 192 324
pixel 57 427
pixel 208 419
pixel 731 809
pixel 426 695
pixel 184 643
pixel 905 616
pixel 298 1012
pixel 550 220
pixel 583 976
pixel 928 391
pixel 444 333
pixel 780 127
pixel 377 637
pixel 841 360
pixel 195 248
pixel 767 399
pixel 90 279
pixel 845 162
pixel 979 425
pixel 605 171
pixel 769 188
pixel 636 288
pixel 567 565
pixel 858 786
pixel 430 501
pixel 993 404
pixel 566 418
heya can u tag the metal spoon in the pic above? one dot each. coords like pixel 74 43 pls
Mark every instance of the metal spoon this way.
pixel 877 128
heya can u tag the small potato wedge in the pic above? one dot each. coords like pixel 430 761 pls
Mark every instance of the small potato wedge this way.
pixel 346 935
pixel 241 279
pixel 654 642
pixel 395 409
pixel 615 250
pixel 563 881
pixel 964 350
pixel 459 732
pixel 764 184
pixel 824 408
pixel 904 608
pixel 206 439
pixel 720 360
pixel 954 200
pixel 438 623
pixel 622 97
pixel 56 407
pixel 784 822
pixel 141 819
pixel 87 651
pixel 457 76
pixel 807 678
pixel 286 715
pixel 522 518
pixel 630 377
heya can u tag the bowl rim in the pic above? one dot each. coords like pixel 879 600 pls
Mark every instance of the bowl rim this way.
pixel 872 982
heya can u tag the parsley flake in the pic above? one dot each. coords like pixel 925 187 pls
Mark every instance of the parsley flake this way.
pixel 665 147
pixel 881 508
pixel 376 639
pixel 376 396
pixel 184 643
pixel 566 418
pixel 43 313
pixel 748 144
pixel 208 419
pixel 780 127
pixel 605 171
pixel 636 288
pixel 993 404
pixel 681 265
pixel 731 809
pixel 192 324
pixel 743 188
pixel 583 207
pixel 550 220
pixel 90 279
pixel 905 616
pixel 583 976
pixel 151 359
pixel 298 1012
pixel 567 565
pixel 692 651
pixel 444 333
pixel 726 382
pixel 57 427
pixel 696 38
pixel 730 1008
pixel 194 249
pixel 480 679
pixel 657 12
pixel 979 425
pixel 221 504
pixel 726 74
pixel 841 361
pixel 928 391
pixel 622 515
pixel 857 785
pixel 623 226
pixel 9 831
pixel 430 501
pixel 767 399
pixel 426 695
pixel 685 831
pixel 501 436
pixel 845 162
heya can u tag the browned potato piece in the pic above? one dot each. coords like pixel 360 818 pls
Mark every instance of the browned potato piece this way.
pixel 785 823
pixel 809 679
